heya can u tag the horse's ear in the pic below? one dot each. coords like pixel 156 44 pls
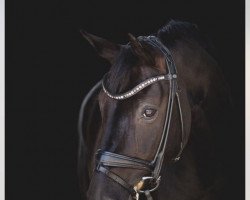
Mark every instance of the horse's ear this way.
pixel 139 50
pixel 104 48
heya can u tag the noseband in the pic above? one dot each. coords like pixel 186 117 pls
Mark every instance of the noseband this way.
pixel 109 159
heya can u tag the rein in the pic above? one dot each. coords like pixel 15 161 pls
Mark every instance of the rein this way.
pixel 107 159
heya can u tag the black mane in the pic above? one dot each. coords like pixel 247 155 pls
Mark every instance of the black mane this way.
pixel 176 30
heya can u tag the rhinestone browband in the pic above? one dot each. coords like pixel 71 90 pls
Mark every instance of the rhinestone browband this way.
pixel 139 87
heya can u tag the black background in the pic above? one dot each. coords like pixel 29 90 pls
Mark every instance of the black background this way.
pixel 49 68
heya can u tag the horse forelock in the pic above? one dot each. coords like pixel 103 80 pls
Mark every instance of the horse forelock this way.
pixel 119 74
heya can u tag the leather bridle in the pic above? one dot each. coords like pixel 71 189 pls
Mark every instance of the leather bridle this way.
pixel 107 159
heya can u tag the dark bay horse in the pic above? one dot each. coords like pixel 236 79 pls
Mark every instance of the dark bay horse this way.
pixel 120 135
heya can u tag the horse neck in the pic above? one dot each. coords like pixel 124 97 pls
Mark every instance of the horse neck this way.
pixel 210 106
pixel 204 82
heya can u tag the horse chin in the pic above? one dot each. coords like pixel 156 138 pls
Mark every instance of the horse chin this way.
pixel 103 188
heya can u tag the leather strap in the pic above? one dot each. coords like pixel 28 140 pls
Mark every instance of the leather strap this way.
pixel 106 158
pixel 183 140
pixel 117 179
pixel 159 157
pixel 148 195
pixel 154 41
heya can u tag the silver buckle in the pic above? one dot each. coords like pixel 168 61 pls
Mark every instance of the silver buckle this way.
pixel 157 183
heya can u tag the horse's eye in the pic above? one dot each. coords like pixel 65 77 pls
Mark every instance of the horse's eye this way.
pixel 149 112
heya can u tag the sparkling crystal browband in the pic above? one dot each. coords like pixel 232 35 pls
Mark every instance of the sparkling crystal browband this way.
pixel 139 87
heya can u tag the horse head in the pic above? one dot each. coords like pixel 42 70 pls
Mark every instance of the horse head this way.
pixel 145 117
